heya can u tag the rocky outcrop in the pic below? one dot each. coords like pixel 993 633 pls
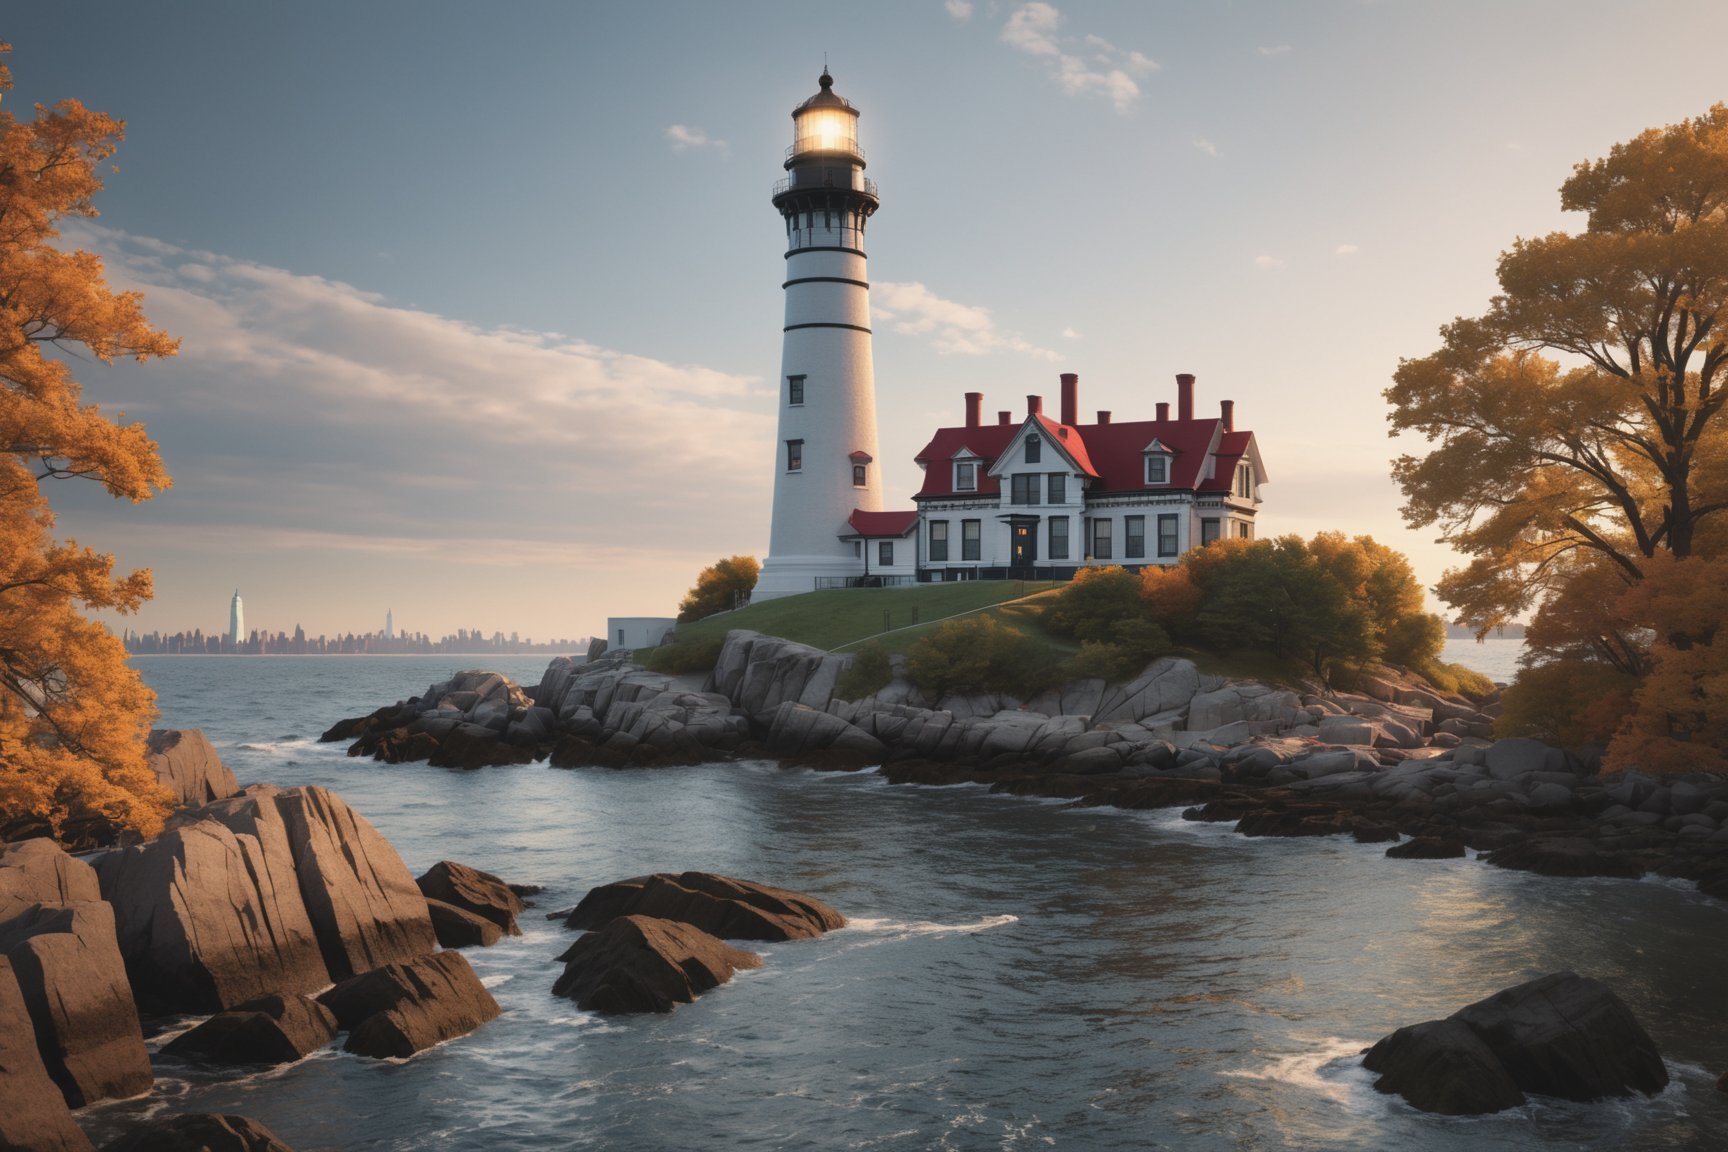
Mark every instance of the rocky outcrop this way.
pixel 40 872
pixel 269 1030
pixel 719 905
pixel 480 893
pixel 33 1113
pixel 400 1009
pixel 199 1132
pixel 644 964
pixel 67 967
pixel 269 891
pixel 186 762
pixel 1559 1035
pixel 459 928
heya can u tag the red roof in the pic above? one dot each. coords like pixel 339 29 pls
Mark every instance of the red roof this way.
pixel 878 524
pixel 1113 453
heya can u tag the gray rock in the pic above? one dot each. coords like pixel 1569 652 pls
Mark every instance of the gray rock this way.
pixel 185 761
pixel 1167 686
pixel 1442 1066
pixel 40 872
pixel 400 1009
pixel 1518 756
pixel 33 1114
pixel 67 964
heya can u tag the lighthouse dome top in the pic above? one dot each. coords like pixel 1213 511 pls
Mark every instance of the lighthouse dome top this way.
pixel 825 123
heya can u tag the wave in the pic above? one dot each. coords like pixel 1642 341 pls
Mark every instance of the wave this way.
pixel 906 929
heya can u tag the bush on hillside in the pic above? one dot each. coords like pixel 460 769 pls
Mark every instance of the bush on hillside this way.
pixel 978 653
pixel 868 673
pixel 1568 703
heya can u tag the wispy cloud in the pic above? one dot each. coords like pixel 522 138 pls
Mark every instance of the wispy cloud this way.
pixel 1279 50
pixel 684 138
pixel 1070 334
pixel 302 404
pixel 1081 66
pixel 1345 250
pixel 1207 146
pixel 960 329
pixel 1269 263
pixel 961 10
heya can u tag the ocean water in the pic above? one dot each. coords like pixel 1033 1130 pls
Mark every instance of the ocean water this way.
pixel 1016 974
pixel 1496 657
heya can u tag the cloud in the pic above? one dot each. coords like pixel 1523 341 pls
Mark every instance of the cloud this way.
pixel 1345 250
pixel 961 10
pixel 304 405
pixel 1206 146
pixel 1070 334
pixel 1280 50
pixel 1270 263
pixel 684 138
pixel 1087 65
pixel 960 329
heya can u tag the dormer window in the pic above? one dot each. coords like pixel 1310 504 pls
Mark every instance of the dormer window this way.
pixel 1034 449
pixel 965 476
pixel 1245 481
pixel 1157 463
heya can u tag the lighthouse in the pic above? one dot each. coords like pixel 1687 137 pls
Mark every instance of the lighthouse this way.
pixel 827 465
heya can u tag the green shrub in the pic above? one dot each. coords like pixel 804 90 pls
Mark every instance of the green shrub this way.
pixel 1454 678
pixel 1098 599
pixel 683 656
pixel 868 674
pixel 1567 702
pixel 978 653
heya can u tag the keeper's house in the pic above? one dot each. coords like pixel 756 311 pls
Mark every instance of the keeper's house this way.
pixel 1037 498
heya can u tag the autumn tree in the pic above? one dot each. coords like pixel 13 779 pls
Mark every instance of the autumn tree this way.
pixel 1576 425
pixel 73 715
pixel 719 587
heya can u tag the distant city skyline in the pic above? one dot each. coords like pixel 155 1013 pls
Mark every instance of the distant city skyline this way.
pixel 566 411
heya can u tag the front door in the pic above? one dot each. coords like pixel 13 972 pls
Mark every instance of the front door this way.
pixel 1025 546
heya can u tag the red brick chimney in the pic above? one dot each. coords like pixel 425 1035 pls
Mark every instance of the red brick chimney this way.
pixel 1103 416
pixel 1227 413
pixel 1004 417
pixel 1163 411
pixel 1070 398
pixel 1034 405
pixel 1184 395
pixel 974 409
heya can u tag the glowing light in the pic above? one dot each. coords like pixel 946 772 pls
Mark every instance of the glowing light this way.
pixel 825 130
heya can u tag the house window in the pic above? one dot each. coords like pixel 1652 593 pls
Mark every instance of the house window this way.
pixel 858 476
pixel 1157 468
pixel 1208 530
pixel 1100 539
pixel 1034 451
pixel 1058 488
pixel 885 553
pixel 794 455
pixel 966 476
pixel 1167 535
pixel 971 539
pixel 1023 487
pixel 620 637
pixel 1243 531
pixel 794 390
pixel 1059 538
pixel 1245 481
pixel 1134 537
pixel 938 540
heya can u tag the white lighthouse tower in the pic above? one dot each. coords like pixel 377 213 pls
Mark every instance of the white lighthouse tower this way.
pixel 826 460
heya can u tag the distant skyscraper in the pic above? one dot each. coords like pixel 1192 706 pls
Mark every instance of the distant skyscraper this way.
pixel 389 624
pixel 236 621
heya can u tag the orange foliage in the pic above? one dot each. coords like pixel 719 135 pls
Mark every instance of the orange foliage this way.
pixel 73 715
pixel 1680 722
pixel 1170 594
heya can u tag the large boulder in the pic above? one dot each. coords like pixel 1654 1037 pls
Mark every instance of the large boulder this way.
pixel 67 964
pixel 460 928
pixel 268 891
pixel 1569 1036
pixel 1559 1035
pixel 268 1030
pixel 33 1113
pixel 1442 1066
pixel 186 762
pixel 39 872
pixel 401 1009
pixel 720 905
pixel 480 893
pixel 645 964
pixel 199 1132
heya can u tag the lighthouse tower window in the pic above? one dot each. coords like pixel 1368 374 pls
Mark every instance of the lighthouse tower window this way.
pixel 794 390
pixel 794 455
pixel 858 477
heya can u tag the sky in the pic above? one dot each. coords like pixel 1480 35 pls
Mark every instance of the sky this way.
pixel 480 306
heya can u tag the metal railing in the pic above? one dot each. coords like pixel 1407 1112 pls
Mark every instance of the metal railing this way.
pixel 823 583
pixel 869 187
